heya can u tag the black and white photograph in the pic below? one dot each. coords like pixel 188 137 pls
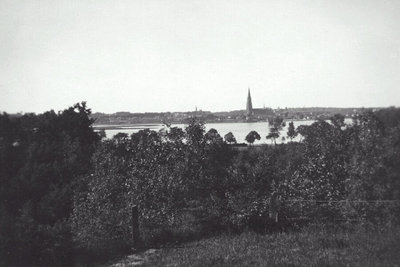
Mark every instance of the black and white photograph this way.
pixel 199 133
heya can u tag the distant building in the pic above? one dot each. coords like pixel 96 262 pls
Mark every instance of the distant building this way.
pixel 254 114
pixel 249 105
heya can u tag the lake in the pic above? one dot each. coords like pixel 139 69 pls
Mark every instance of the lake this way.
pixel 239 129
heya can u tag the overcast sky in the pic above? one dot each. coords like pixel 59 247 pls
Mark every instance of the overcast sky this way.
pixel 171 55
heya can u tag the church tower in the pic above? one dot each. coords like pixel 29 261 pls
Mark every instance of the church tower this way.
pixel 249 105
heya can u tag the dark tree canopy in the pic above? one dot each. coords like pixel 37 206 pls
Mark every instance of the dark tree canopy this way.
pixel 291 133
pixel 337 120
pixel 252 136
pixel 41 159
pixel 212 136
pixel 230 138
pixel 194 130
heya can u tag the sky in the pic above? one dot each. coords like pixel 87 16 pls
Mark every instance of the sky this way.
pixel 174 55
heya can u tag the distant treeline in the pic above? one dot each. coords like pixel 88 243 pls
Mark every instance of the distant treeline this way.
pixel 67 194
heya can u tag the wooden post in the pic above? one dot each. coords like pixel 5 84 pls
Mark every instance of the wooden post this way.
pixel 274 207
pixel 135 226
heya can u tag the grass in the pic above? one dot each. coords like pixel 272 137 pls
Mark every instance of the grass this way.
pixel 313 246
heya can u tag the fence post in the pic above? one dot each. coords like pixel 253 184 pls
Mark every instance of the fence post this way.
pixel 135 227
pixel 274 207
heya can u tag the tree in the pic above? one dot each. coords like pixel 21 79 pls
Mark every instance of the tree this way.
pixel 194 132
pixel 275 125
pixel 273 134
pixel 230 138
pixel 338 121
pixel 42 159
pixel 212 137
pixel 252 136
pixel 291 133
pixel 373 169
pixel 323 173
pixel 175 135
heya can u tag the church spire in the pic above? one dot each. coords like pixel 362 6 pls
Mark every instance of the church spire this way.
pixel 249 105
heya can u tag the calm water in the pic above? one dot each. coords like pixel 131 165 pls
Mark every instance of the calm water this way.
pixel 239 129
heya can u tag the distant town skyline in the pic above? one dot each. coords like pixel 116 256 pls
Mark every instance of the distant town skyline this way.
pixel 160 56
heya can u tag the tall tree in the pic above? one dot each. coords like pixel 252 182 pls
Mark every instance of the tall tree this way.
pixel 273 134
pixel 291 133
pixel 275 125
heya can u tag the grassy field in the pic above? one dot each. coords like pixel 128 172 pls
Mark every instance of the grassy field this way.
pixel 309 247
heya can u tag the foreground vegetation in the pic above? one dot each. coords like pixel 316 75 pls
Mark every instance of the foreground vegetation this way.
pixel 67 194
pixel 311 246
